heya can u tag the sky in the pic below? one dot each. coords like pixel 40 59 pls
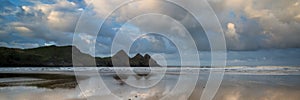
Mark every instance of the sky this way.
pixel 257 32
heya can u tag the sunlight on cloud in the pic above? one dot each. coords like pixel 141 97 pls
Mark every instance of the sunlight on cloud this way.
pixel 231 32
pixel 23 29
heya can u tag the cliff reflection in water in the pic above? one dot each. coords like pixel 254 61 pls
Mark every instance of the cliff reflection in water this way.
pixel 233 87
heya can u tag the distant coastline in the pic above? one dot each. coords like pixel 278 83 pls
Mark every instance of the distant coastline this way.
pixel 54 56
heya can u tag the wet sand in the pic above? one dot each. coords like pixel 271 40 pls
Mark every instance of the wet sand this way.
pixel 59 86
pixel 40 80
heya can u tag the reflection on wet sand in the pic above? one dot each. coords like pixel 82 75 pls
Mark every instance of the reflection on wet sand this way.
pixel 233 87
pixel 255 87
pixel 258 93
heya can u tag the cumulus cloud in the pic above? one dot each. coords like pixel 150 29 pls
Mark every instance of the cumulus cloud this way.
pixel 247 24
pixel 256 24
pixel 231 32
pixel 153 43
pixel 168 19
pixel 232 36
pixel 40 22
pixel 268 23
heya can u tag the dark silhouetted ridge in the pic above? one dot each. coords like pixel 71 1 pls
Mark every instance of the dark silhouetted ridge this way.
pixel 61 56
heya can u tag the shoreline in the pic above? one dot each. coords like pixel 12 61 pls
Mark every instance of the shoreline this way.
pixel 41 80
pixel 60 85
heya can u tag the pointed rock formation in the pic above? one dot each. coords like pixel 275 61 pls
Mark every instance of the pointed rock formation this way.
pixel 120 59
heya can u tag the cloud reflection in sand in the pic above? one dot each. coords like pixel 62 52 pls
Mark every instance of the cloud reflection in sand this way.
pixel 234 87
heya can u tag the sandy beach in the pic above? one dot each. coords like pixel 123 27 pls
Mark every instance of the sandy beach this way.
pixel 62 85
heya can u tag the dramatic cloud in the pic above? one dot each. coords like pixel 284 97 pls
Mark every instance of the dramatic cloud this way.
pixel 233 37
pixel 261 24
pixel 154 43
pixel 40 22
pixel 247 24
